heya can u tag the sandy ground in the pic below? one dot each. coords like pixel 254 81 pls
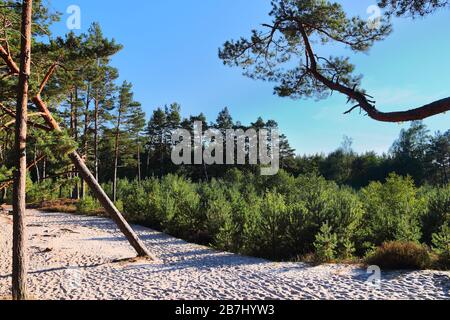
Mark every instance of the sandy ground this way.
pixel 75 257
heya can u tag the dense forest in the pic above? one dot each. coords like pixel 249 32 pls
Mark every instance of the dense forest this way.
pixel 335 206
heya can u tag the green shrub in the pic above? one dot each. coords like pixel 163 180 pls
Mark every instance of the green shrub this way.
pixel 401 255
pixel 245 208
pixel 43 191
pixel 346 248
pixel 312 201
pixel 179 203
pixel 265 230
pixel 345 218
pixel 316 202
pixel 87 206
pixel 283 183
pixel 216 205
pixel 119 205
pixel 392 211
pixel 441 245
pixel 437 212
pixel 325 244
pixel 137 202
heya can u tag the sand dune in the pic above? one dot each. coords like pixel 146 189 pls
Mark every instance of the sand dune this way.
pixel 77 257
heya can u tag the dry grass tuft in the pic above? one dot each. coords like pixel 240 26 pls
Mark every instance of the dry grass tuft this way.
pixel 59 205
pixel 401 256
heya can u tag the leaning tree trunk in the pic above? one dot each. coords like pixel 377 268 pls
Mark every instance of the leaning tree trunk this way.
pixel 108 205
pixel 19 274
pixel 99 193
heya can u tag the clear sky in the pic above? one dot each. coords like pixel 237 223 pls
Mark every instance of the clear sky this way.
pixel 170 55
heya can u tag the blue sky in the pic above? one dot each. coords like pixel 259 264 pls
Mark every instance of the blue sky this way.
pixel 170 55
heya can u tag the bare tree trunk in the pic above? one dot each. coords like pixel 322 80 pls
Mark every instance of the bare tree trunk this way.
pixel 96 115
pixel 44 171
pixel 85 136
pixel 76 189
pixel 38 175
pixel 147 163
pixel 139 161
pixel 20 261
pixel 116 156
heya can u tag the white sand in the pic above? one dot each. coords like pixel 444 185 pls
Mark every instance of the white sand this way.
pixel 72 257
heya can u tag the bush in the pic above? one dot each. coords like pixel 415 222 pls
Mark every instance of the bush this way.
pixel 401 256
pixel 437 212
pixel 47 190
pixel 312 200
pixel 245 209
pixel 265 230
pixel 316 202
pixel 345 218
pixel 87 206
pixel 217 207
pixel 137 202
pixel 179 203
pixel 392 211
pixel 326 244
pixel 119 205
pixel 441 243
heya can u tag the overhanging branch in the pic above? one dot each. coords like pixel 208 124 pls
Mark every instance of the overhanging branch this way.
pixel 423 112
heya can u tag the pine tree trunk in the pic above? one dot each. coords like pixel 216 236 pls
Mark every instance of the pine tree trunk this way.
pixel 147 163
pixel 20 260
pixel 44 169
pixel 38 175
pixel 85 138
pixel 116 156
pixel 139 161
pixel 76 190
pixel 96 114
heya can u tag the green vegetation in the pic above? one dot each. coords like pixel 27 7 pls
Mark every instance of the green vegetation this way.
pixel 88 205
pixel 441 243
pixel 287 218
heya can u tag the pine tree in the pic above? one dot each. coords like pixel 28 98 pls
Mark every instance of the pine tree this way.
pixel 135 124
pixel 156 140
pixel 224 120
pixel 123 112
